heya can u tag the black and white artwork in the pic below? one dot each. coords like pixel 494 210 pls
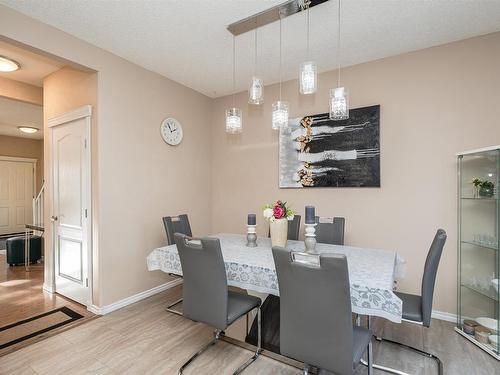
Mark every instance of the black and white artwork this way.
pixel 318 152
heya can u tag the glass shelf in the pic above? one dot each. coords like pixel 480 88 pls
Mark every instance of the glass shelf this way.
pixel 478 240
pixel 480 245
pixel 490 293
pixel 493 199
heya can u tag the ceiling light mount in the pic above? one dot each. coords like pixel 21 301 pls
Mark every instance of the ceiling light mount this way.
pixel 271 15
pixel 8 65
pixel 28 129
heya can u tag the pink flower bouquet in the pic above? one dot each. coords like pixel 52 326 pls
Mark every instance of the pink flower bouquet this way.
pixel 278 210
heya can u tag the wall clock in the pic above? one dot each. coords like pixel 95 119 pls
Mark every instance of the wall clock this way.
pixel 171 131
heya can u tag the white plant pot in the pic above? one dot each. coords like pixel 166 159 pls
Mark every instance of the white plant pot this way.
pixel 279 232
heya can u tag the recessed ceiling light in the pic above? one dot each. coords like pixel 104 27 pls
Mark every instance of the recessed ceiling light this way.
pixel 8 65
pixel 27 129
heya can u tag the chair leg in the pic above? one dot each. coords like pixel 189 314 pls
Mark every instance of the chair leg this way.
pixel 169 307
pixel 257 352
pixel 198 353
pixel 421 352
pixel 369 354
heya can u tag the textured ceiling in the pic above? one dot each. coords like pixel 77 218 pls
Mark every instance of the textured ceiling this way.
pixel 187 40
pixel 14 113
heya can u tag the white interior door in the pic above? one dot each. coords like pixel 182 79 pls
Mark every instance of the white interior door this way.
pixel 70 202
pixel 16 195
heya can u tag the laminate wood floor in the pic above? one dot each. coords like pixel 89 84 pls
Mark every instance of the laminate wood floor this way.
pixel 145 339
pixel 22 296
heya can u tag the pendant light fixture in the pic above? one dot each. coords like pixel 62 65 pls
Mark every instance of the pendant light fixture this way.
pixel 256 89
pixel 339 99
pixel 234 118
pixel 280 108
pixel 308 70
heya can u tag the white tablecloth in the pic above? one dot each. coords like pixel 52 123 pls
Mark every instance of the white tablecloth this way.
pixel 371 272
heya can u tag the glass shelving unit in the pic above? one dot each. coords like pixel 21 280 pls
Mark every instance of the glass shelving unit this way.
pixel 478 244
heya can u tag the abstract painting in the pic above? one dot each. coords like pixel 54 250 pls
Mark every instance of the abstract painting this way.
pixel 318 152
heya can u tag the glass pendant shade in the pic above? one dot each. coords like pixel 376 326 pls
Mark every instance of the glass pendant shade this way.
pixel 280 115
pixel 339 104
pixel 308 77
pixel 234 121
pixel 256 91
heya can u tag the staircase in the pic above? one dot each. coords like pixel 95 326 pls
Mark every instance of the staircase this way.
pixel 38 204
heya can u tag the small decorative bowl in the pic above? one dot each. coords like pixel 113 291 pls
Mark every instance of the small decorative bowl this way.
pixel 469 326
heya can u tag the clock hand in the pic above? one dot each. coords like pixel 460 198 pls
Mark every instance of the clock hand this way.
pixel 169 127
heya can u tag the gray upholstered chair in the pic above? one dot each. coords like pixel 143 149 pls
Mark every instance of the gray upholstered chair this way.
pixel 176 224
pixel 315 313
pixel 293 228
pixel 418 308
pixel 330 230
pixel 206 296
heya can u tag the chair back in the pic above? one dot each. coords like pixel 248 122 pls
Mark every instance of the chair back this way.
pixel 293 228
pixel 315 313
pixel 430 272
pixel 176 224
pixel 205 283
pixel 330 230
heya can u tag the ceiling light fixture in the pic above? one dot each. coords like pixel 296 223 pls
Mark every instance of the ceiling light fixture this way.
pixel 234 118
pixel 280 108
pixel 339 98
pixel 27 129
pixel 308 70
pixel 256 90
pixel 8 65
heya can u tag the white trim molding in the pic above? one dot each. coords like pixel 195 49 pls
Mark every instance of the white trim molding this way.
pixel 14 158
pixel 441 315
pixel 48 288
pixel 85 111
pixel 133 299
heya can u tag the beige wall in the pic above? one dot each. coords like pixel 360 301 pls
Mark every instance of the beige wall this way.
pixel 24 148
pixel 21 91
pixel 139 178
pixel 434 103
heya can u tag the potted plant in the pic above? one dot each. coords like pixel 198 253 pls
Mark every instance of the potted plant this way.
pixel 278 215
pixel 477 183
pixel 486 189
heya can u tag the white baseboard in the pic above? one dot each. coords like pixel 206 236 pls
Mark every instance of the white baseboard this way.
pixel 48 288
pixel 133 299
pixel 3 252
pixel 448 317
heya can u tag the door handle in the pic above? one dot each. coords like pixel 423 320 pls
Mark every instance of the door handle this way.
pixel 53 218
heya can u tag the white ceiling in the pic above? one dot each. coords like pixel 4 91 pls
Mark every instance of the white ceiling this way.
pixel 33 66
pixel 187 40
pixel 14 113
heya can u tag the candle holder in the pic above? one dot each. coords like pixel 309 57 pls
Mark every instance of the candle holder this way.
pixel 310 240
pixel 251 236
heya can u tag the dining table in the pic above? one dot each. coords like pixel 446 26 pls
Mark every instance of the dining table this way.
pixel 372 272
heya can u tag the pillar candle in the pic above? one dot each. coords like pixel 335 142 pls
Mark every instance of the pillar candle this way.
pixel 252 219
pixel 310 215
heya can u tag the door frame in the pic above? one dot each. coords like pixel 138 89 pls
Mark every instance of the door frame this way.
pixel 84 112
pixel 33 162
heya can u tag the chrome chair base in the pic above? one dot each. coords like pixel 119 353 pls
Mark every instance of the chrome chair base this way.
pixel 421 352
pixel 169 307
pixel 217 335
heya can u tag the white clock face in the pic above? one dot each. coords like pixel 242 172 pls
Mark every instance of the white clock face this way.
pixel 171 131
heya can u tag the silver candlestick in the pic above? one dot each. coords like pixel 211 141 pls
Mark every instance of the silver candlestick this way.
pixel 310 240
pixel 251 235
